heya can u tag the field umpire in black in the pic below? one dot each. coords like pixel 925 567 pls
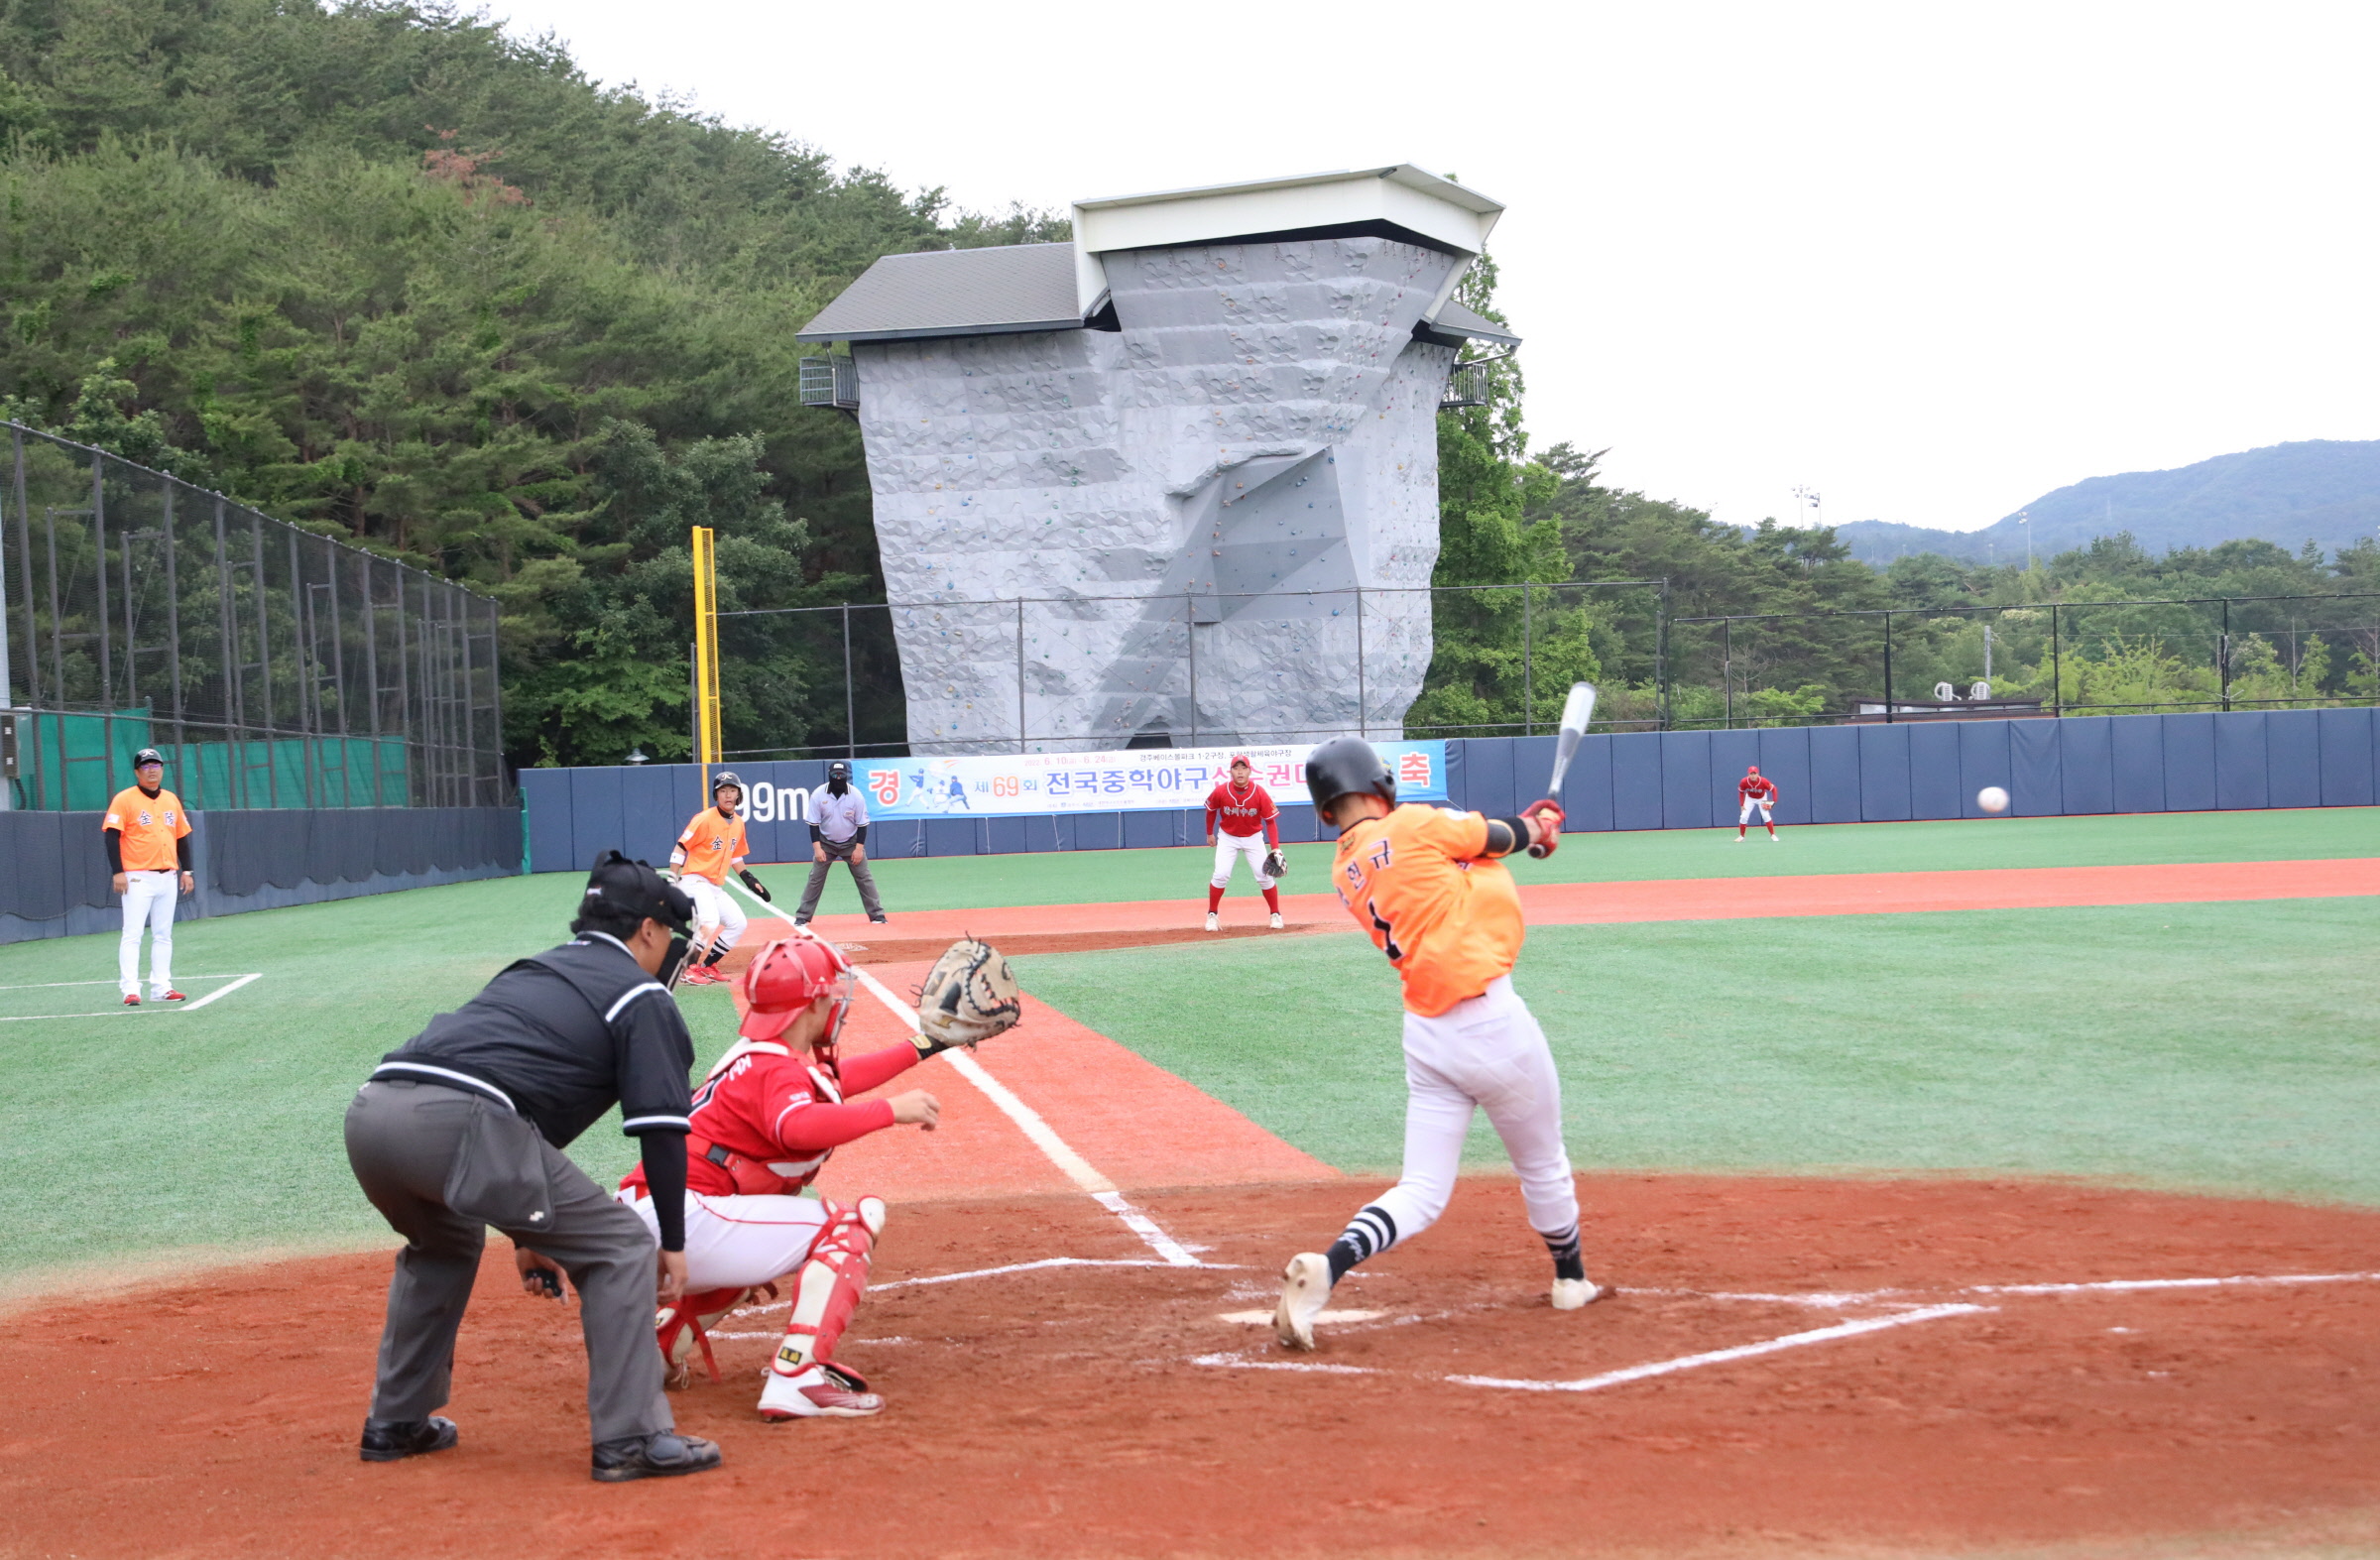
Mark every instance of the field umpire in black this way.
pixel 463 1127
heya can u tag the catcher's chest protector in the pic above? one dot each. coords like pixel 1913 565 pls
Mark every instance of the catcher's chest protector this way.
pixel 737 1111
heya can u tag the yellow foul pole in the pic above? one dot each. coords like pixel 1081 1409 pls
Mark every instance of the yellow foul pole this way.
pixel 706 657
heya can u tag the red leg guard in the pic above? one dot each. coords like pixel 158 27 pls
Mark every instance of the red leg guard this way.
pixel 828 1286
pixel 689 1322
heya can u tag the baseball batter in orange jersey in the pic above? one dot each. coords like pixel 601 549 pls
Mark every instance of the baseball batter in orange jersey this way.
pixel 1429 886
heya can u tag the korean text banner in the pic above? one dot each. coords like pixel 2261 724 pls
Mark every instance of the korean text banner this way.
pixel 1143 780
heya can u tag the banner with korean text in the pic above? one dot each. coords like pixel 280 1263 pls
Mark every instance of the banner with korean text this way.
pixel 1141 780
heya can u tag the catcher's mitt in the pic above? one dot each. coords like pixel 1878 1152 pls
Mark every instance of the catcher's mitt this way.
pixel 969 995
pixel 1276 866
pixel 757 886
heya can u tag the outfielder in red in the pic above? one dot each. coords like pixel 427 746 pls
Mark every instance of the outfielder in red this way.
pixel 765 1122
pixel 1755 789
pixel 1243 821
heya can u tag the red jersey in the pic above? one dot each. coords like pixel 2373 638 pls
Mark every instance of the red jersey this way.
pixel 781 1114
pixel 1242 811
pixel 1756 788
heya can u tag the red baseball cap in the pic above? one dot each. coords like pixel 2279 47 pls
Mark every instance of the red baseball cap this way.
pixel 1239 759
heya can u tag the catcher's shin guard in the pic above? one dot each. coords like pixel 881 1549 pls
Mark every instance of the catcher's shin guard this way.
pixel 828 1286
pixel 685 1327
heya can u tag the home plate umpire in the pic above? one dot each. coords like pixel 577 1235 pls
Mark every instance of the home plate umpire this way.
pixel 463 1127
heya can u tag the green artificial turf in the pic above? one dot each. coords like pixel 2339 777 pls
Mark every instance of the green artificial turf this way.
pixel 222 1127
pixel 2219 1046
pixel 1111 877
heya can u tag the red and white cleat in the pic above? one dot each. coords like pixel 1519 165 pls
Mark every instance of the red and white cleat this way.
pixel 818 1392
pixel 132 999
pixel 172 996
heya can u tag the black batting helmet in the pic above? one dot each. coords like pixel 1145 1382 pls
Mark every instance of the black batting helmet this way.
pixel 724 778
pixel 1346 766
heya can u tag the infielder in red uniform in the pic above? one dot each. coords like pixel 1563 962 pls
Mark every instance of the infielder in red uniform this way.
pixel 764 1124
pixel 1243 821
pixel 1755 789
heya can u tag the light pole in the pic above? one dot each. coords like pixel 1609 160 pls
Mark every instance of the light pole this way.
pixel 2024 517
pixel 1809 497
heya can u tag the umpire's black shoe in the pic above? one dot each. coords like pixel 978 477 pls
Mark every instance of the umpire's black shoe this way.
pixel 391 1440
pixel 663 1456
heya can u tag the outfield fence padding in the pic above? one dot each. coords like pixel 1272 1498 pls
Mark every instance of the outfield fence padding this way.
pixel 59 885
pixel 1677 779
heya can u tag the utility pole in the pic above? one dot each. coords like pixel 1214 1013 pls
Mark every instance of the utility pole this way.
pixel 2024 517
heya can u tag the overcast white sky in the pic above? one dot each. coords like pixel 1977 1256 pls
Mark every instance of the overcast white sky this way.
pixel 1928 261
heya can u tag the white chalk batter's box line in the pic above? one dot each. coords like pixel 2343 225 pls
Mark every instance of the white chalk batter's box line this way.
pixel 146 1008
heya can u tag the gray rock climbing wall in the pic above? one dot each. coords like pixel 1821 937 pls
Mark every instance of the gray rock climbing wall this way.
pixel 1189 502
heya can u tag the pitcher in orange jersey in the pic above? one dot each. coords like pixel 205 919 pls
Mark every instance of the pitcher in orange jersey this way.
pixel 1428 886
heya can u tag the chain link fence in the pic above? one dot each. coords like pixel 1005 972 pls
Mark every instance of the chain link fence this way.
pixel 272 667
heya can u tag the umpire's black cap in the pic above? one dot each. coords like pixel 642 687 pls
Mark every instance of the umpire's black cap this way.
pixel 634 887
pixel 1345 766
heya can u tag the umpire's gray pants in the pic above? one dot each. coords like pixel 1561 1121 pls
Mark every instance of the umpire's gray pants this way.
pixel 859 875
pixel 422 1154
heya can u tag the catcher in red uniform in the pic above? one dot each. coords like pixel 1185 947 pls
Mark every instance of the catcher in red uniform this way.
pixel 765 1122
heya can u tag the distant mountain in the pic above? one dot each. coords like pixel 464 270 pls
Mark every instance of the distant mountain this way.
pixel 2326 491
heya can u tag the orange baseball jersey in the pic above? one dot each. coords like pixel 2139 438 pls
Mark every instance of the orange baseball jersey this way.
pixel 710 843
pixel 149 826
pixel 1448 917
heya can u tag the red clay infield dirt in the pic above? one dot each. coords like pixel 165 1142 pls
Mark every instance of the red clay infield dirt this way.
pixel 1114 1411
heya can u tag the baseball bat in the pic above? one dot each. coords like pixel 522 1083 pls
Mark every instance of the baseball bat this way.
pixel 1577 711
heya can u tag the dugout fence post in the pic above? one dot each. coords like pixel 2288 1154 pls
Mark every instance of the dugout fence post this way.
pixel 2222 657
pixel 1726 668
pixel 1528 700
pixel 1888 668
pixel 851 727
pixel 2057 680
pixel 1661 653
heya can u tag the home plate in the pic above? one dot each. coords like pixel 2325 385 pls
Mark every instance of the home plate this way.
pixel 1261 1318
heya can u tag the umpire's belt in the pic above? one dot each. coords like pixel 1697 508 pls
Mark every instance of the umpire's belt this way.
pixel 443 1077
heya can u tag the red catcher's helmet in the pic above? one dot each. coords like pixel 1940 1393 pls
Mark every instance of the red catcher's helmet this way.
pixel 784 978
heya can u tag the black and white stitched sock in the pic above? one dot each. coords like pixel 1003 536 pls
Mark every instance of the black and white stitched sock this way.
pixel 1369 1233
pixel 1568 1264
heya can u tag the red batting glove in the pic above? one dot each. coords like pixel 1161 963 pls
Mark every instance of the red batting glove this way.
pixel 1548 816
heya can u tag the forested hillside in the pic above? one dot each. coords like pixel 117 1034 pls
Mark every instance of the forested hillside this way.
pixel 381 269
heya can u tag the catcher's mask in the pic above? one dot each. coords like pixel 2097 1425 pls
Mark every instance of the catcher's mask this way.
pixel 784 978
pixel 838 778
pixel 1346 767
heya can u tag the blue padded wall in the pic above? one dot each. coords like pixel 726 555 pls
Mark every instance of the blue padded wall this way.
pixel 1983 760
pixel 2136 761
pixel 1636 780
pixel 1934 770
pixel 2349 737
pixel 2035 790
pixel 950 836
pixel 1586 788
pixel 2239 759
pixel 2293 758
pixel 1532 767
pixel 1785 758
pixel 595 816
pixel 1731 753
pixel 1884 774
pixel 1686 779
pixel 545 797
pixel 2086 763
pixel 1833 773
pixel 1488 777
pixel 2189 762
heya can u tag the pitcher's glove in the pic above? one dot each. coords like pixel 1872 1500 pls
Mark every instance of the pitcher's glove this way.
pixel 1276 866
pixel 757 886
pixel 968 997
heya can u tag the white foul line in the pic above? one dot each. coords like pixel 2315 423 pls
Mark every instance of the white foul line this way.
pixel 1028 1121
pixel 2131 1286
pixel 145 1009
pixel 1639 1373
pixel 222 990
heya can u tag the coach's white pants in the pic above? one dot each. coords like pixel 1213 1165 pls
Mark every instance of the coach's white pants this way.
pixel 738 1243
pixel 1487 1053
pixel 148 901
pixel 1228 848
pixel 713 906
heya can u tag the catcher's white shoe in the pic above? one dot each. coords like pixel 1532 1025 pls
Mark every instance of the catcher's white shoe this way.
pixel 1276 920
pixel 1570 1294
pixel 1305 1290
pixel 1214 921
pixel 815 1394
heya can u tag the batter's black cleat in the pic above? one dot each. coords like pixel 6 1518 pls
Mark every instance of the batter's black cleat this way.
pixel 663 1456
pixel 394 1440
pixel 876 920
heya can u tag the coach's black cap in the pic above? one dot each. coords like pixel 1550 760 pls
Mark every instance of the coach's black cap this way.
pixel 146 757
pixel 634 887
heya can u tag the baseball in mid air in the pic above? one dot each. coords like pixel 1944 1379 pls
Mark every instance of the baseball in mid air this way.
pixel 1992 799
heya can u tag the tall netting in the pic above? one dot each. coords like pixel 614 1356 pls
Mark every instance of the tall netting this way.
pixel 272 667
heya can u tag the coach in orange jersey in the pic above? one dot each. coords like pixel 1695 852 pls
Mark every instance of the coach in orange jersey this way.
pixel 147 832
pixel 1428 886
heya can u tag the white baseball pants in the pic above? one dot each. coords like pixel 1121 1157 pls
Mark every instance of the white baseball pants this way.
pixel 713 906
pixel 1745 815
pixel 148 901
pixel 1485 1053
pixel 738 1243
pixel 1228 848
